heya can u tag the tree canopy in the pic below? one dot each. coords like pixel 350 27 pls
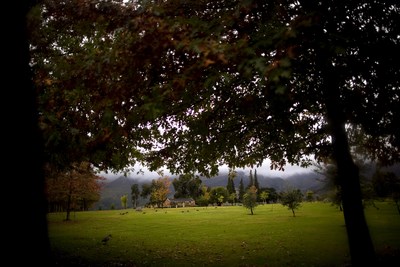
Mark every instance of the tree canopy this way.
pixel 188 80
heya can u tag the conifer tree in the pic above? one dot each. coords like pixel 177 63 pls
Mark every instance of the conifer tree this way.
pixel 256 184
pixel 241 190
pixel 251 180
pixel 231 184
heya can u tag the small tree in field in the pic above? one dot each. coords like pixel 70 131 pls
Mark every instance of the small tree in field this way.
pixel 292 199
pixel 124 200
pixel 264 196
pixel 250 199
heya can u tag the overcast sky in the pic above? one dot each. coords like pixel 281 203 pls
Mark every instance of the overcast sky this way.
pixel 263 170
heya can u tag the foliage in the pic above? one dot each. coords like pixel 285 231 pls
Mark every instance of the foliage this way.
pixel 387 184
pixel 264 196
pixel 204 198
pixel 272 194
pixel 256 183
pixel 187 185
pixel 241 190
pixel 251 180
pixel 292 198
pixel 159 191
pixel 124 200
pixel 146 190
pixel 135 194
pixel 250 199
pixel 218 195
pixel 310 195
pixel 231 184
pixel 370 186
pixel 77 189
pixel 98 92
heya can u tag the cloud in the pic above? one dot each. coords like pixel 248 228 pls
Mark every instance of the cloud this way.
pixel 141 172
pixel 265 170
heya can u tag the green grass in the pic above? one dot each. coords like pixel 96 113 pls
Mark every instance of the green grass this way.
pixel 222 236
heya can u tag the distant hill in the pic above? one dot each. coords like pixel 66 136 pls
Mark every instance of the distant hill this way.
pixel 113 190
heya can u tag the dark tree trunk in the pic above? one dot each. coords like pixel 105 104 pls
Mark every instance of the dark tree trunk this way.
pixel 68 215
pixel 360 243
pixel 25 209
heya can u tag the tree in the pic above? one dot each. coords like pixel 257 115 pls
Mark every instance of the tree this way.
pixel 124 200
pixel 232 198
pixel 76 124
pixel 292 199
pixel 23 118
pixel 77 189
pixel 146 190
pixel 241 190
pixel 231 82
pixel 251 180
pixel 387 184
pixel 256 184
pixel 159 191
pixel 310 195
pixel 218 194
pixel 272 194
pixel 204 198
pixel 231 184
pixel 264 196
pixel 250 199
pixel 187 185
pixel 135 194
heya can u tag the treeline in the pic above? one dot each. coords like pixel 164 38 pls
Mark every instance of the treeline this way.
pixel 80 189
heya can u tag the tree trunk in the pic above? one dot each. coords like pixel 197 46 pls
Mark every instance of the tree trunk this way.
pixel 25 229
pixel 68 217
pixel 360 243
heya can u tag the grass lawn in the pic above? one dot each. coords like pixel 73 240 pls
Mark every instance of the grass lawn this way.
pixel 221 236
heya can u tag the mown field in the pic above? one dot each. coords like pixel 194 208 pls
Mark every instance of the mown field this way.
pixel 222 236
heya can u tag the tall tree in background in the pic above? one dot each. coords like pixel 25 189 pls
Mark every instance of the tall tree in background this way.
pixel 218 195
pixel 146 190
pixel 251 180
pixel 231 184
pixel 204 198
pixel 187 185
pixel 224 82
pixel 256 184
pixel 135 194
pixel 241 190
